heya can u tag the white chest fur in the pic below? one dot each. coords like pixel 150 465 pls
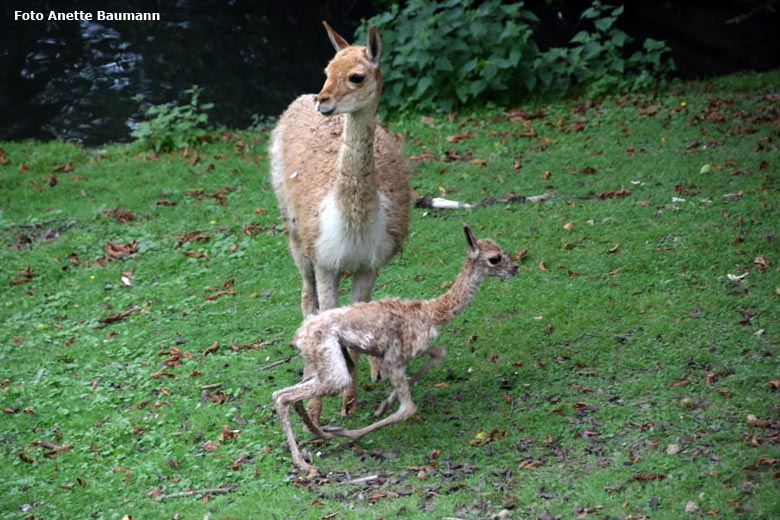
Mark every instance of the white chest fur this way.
pixel 345 245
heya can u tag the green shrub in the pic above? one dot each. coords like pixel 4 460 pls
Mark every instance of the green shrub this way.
pixel 169 126
pixel 444 55
pixel 598 60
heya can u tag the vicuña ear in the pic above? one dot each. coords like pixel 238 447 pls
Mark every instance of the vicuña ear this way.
pixel 335 38
pixel 374 45
pixel 471 240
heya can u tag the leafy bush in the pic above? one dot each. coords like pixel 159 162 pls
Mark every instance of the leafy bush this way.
pixel 444 54
pixel 169 126
pixel 455 53
pixel 597 60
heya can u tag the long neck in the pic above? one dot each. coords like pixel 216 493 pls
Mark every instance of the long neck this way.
pixel 356 187
pixel 447 306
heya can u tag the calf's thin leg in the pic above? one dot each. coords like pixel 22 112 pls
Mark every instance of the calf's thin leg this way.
pixel 437 355
pixel 405 410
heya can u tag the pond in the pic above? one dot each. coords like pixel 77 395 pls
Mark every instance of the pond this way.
pixel 76 80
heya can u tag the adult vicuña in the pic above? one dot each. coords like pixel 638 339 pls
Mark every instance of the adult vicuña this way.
pixel 390 330
pixel 341 183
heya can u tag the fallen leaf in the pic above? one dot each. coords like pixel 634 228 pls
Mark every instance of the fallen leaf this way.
pixel 761 262
pixel 530 464
pixel 610 194
pixel 650 110
pixel 421 157
pixel 218 294
pixel 209 446
pixel 111 318
pixel 483 437
pixel 24 276
pixel 26 458
pixel 613 249
pixel 542 266
pixel 460 136
pixel 210 350
pixel 116 251
pixel 122 215
pixel 648 476
pixel 126 277
pixel 428 121
pixel 227 433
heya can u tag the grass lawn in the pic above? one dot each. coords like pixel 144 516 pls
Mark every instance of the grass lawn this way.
pixel 630 370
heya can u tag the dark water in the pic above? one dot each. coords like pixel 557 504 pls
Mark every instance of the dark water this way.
pixel 75 80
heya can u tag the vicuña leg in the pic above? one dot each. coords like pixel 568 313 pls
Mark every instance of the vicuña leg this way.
pixel 327 289
pixel 283 398
pixel 437 355
pixel 362 286
pixel 330 377
pixel 405 410
pixel 314 409
pixel 308 287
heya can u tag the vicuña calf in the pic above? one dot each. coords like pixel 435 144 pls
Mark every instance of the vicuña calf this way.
pixel 341 183
pixel 392 331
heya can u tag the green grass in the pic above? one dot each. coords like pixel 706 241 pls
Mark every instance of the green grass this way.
pixel 618 369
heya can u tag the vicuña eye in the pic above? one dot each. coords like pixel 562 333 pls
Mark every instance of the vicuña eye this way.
pixel 494 260
pixel 357 79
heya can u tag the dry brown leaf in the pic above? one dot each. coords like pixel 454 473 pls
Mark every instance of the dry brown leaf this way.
pixel 421 157
pixel 210 446
pixel 210 350
pixel 761 262
pixel 24 276
pixel 460 136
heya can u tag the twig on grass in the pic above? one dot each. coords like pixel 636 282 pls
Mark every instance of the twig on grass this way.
pixel 440 203
pixel 207 491
pixel 68 222
pixel 278 362
pixel 361 480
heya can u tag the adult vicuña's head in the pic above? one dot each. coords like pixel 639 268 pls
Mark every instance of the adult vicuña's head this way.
pixel 353 78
